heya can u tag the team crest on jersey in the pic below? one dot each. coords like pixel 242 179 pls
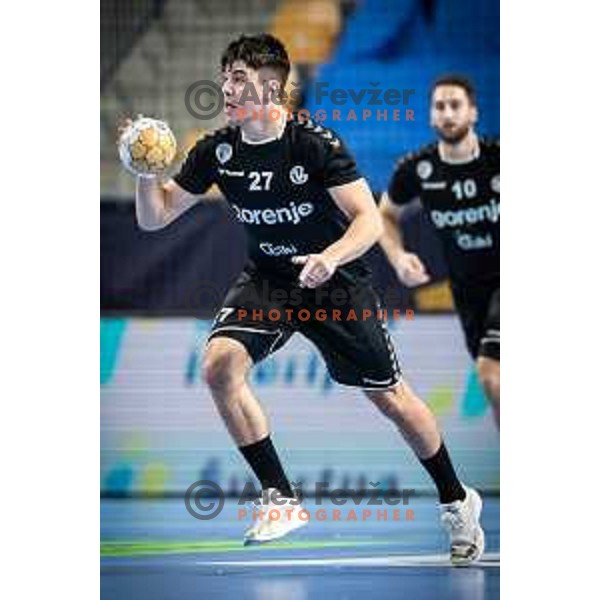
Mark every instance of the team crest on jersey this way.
pixel 224 153
pixel 495 183
pixel 298 175
pixel 424 169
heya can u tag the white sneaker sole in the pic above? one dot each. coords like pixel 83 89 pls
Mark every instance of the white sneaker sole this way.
pixel 276 535
pixel 459 561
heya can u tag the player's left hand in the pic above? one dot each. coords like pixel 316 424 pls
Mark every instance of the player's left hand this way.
pixel 318 268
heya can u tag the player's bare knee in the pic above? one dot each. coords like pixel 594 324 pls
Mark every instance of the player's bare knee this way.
pixel 225 364
pixel 391 402
pixel 488 371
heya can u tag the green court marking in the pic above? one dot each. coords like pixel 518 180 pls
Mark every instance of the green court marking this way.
pixel 144 548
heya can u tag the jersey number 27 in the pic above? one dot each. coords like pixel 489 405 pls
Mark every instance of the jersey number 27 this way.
pixel 260 181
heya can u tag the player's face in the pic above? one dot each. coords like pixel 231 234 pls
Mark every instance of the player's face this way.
pixel 452 114
pixel 244 91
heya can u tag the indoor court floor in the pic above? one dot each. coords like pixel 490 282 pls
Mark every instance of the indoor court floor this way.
pixel 154 549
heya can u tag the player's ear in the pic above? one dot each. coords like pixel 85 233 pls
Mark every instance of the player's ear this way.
pixel 276 91
pixel 274 85
pixel 475 114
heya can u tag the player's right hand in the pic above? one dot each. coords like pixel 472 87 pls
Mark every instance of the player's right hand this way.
pixel 411 271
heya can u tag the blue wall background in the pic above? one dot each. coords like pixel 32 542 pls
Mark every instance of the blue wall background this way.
pixel 406 45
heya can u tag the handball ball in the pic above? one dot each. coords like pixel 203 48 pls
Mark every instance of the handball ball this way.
pixel 147 147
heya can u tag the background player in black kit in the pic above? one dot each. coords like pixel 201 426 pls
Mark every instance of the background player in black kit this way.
pixel 457 180
pixel 309 217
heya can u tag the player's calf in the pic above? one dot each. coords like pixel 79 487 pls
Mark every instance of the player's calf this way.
pixel 410 415
pixel 460 506
pixel 226 366
pixel 488 371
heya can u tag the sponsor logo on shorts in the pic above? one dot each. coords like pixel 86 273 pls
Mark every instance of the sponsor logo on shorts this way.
pixel 293 213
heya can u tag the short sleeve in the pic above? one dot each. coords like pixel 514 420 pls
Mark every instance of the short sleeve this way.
pixel 404 187
pixel 197 173
pixel 335 165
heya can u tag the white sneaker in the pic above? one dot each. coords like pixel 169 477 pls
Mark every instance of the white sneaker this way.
pixel 461 520
pixel 267 530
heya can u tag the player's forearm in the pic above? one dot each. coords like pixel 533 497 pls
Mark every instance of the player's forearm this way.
pixel 391 240
pixel 363 233
pixel 150 203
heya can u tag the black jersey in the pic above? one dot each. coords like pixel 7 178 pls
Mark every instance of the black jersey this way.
pixel 462 201
pixel 278 190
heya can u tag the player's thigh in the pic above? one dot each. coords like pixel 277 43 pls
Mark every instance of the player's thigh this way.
pixel 489 346
pixel 394 401
pixel 472 307
pixel 355 345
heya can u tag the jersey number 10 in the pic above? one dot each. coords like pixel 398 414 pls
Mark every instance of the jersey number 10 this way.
pixel 464 189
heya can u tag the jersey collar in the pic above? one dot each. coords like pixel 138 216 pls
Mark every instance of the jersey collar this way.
pixel 265 140
pixel 464 161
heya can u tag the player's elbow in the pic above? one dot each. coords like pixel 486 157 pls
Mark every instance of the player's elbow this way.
pixel 150 226
pixel 377 226
pixel 150 220
pixel 388 218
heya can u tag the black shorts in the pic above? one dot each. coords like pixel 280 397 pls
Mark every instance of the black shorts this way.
pixel 479 309
pixel 262 313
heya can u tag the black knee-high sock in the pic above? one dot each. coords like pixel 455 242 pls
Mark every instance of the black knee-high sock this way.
pixel 262 458
pixel 439 466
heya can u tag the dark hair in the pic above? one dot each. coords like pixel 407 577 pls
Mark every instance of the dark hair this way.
pixel 459 81
pixel 262 50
